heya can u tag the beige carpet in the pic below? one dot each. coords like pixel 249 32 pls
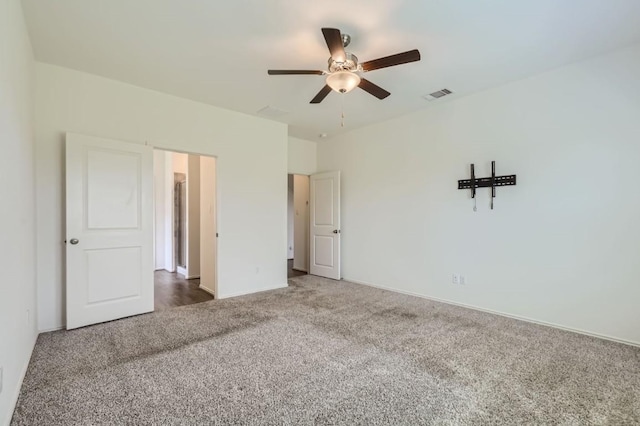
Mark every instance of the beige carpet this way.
pixel 326 352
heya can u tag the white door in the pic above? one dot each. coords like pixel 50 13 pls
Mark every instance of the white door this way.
pixel 109 229
pixel 325 225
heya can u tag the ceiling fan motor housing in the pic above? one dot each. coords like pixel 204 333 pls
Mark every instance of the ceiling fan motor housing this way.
pixel 350 64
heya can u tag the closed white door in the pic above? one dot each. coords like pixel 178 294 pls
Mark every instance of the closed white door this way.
pixel 325 224
pixel 109 229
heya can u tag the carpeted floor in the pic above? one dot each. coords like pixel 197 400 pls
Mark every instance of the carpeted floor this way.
pixel 326 352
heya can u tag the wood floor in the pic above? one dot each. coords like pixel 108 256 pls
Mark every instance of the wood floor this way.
pixel 293 272
pixel 172 290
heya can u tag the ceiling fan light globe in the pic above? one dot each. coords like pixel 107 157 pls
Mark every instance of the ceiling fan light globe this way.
pixel 343 81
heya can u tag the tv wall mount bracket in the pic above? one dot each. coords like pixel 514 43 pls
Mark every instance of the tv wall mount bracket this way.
pixel 486 182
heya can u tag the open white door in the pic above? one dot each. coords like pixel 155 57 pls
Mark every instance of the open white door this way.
pixel 109 229
pixel 325 225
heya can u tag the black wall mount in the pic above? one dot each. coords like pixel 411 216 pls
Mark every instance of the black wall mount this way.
pixel 486 182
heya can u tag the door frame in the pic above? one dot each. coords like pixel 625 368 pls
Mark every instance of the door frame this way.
pixel 308 248
pixel 215 213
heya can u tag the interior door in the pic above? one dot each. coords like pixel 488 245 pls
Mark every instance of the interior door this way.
pixel 325 225
pixel 109 229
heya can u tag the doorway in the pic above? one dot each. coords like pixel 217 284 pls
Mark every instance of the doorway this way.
pixel 297 225
pixel 185 232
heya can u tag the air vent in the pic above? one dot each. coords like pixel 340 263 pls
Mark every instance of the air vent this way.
pixel 437 95
pixel 272 112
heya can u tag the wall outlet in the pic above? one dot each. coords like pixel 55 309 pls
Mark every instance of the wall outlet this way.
pixel 257 269
pixel 463 279
pixel 455 278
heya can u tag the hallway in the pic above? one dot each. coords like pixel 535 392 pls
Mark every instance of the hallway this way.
pixel 172 290
pixel 293 272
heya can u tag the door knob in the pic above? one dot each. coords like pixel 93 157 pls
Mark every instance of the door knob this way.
pixel 74 241
pixel 336 231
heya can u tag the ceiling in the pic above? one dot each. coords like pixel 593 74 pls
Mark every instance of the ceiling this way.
pixel 218 52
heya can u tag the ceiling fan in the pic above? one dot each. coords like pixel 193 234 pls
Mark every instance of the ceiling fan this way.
pixel 343 72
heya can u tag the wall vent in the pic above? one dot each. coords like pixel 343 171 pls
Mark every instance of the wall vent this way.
pixel 272 112
pixel 437 95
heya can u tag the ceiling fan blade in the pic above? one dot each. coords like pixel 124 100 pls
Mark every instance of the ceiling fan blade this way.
pixel 321 95
pixel 389 61
pixel 374 89
pixel 294 72
pixel 334 42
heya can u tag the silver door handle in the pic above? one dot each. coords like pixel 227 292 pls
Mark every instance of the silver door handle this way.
pixel 74 241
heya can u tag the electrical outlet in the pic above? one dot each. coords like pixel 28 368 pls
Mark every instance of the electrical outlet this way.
pixel 257 269
pixel 463 279
pixel 455 278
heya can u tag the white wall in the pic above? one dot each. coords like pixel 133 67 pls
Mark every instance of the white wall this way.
pixel 193 216
pixel 180 163
pixel 302 156
pixel 208 223
pixel 251 170
pixel 301 222
pixel 560 247
pixel 17 215
pixel 159 201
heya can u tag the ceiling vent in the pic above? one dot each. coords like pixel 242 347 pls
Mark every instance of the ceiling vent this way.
pixel 272 112
pixel 437 95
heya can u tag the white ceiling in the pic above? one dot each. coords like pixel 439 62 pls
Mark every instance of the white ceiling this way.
pixel 218 52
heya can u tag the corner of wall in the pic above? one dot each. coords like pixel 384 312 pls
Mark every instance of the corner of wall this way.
pixel 18 305
pixel 302 156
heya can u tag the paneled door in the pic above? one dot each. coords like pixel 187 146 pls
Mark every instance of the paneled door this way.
pixel 325 224
pixel 109 233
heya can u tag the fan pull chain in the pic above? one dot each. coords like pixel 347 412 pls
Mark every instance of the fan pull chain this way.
pixel 342 114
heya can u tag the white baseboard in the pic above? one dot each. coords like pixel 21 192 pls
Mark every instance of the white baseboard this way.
pixel 300 269
pixel 208 290
pixel 503 314
pixel 16 393
pixel 47 330
pixel 245 293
